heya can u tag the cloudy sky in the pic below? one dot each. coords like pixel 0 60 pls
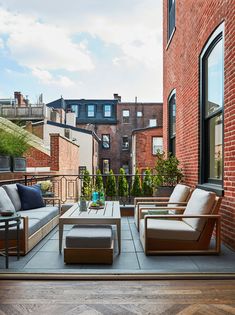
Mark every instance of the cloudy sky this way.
pixel 81 49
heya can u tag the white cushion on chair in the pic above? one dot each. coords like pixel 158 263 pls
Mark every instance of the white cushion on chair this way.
pixel 179 194
pixel 201 202
pixel 168 230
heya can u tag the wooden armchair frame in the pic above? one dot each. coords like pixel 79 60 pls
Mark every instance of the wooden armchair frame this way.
pixel 154 246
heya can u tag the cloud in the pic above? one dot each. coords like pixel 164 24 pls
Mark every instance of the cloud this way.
pixel 47 78
pixel 42 45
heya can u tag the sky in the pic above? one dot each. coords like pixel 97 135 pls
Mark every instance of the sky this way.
pixel 81 49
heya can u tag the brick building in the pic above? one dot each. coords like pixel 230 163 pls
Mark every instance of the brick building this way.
pixel 145 144
pixel 113 121
pixel 199 82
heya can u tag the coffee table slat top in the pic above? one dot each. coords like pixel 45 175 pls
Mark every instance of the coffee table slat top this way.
pixel 111 210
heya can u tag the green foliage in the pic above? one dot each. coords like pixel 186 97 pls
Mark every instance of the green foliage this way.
pixel 168 172
pixel 99 185
pixel 111 188
pixel 136 186
pixel 13 144
pixel 87 187
pixel 122 184
pixel 147 186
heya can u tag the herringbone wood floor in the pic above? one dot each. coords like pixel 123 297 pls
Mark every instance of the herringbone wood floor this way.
pixel 118 297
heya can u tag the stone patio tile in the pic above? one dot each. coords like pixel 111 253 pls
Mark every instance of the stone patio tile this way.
pixel 127 246
pixel 167 263
pixel 126 235
pixel 138 245
pixel 51 245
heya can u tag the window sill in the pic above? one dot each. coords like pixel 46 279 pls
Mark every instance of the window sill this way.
pixel 170 39
pixel 212 187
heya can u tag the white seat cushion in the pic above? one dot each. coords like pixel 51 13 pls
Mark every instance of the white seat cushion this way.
pixel 168 230
pixel 201 202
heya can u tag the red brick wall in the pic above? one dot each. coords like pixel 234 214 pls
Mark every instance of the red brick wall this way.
pixel 64 155
pixel 144 157
pixel 37 158
pixel 195 22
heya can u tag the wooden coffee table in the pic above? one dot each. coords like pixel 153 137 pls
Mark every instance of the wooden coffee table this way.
pixel 110 214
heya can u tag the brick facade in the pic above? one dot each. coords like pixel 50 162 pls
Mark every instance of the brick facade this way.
pixel 195 22
pixel 143 148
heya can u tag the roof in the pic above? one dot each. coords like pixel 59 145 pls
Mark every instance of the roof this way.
pixel 92 133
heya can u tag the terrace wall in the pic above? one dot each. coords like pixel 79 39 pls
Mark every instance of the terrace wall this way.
pixel 195 22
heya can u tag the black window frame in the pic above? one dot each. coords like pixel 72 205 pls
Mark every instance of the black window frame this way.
pixel 110 110
pixel 204 168
pixel 126 119
pixel 124 148
pixel 170 18
pixel 171 135
pixel 103 141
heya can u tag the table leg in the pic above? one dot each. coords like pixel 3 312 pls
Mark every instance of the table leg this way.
pixel 17 240
pixel 61 227
pixel 119 236
pixel 6 245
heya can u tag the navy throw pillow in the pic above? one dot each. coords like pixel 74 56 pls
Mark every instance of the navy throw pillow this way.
pixel 30 196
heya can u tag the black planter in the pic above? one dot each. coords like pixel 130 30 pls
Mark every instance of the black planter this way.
pixel 18 164
pixel 164 191
pixel 5 163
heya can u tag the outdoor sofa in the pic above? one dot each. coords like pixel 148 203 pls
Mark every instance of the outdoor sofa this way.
pixel 36 222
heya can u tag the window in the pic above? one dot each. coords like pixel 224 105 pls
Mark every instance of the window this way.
pixel 91 110
pixel 107 111
pixel 74 109
pixel 157 145
pixel 106 166
pixel 67 133
pixel 125 143
pixel 152 122
pixel 211 107
pixel 139 114
pixel 172 119
pixel 171 17
pixel 125 116
pixel 106 141
pixel 125 166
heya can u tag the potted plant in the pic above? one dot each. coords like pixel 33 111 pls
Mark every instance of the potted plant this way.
pixel 122 186
pixel 136 186
pixel 147 186
pixel 111 188
pixel 46 187
pixel 12 147
pixel 168 174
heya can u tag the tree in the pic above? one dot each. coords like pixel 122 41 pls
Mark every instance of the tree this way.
pixel 122 184
pixel 111 188
pixel 86 187
pixel 136 187
pixel 99 186
pixel 147 186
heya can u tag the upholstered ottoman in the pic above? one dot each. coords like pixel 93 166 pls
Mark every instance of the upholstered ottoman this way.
pixel 90 244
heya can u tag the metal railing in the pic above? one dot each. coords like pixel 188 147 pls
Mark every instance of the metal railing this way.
pixel 29 112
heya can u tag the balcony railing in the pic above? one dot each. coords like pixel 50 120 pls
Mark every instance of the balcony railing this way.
pixel 29 112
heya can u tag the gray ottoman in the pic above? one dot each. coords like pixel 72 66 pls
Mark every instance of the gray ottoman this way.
pixel 91 244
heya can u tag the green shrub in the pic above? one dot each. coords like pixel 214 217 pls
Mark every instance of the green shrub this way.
pixel 122 184
pixel 147 186
pixel 13 144
pixel 87 186
pixel 136 186
pixel 111 188
pixel 99 185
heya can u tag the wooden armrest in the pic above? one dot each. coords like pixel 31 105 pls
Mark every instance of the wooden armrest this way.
pixel 162 208
pixel 149 198
pixel 181 216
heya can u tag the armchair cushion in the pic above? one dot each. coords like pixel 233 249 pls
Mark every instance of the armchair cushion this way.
pixel 179 194
pixel 201 202
pixel 168 230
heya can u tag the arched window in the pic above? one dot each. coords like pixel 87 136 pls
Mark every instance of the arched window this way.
pixel 172 120
pixel 211 109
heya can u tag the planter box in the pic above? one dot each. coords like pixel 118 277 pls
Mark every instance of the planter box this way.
pixel 18 164
pixel 164 191
pixel 5 163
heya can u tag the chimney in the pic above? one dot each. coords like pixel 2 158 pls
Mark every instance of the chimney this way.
pixel 117 97
pixel 19 99
pixel 136 99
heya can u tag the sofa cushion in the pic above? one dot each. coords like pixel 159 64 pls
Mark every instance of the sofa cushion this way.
pixel 13 194
pixel 179 194
pixel 5 201
pixel 34 226
pixel 30 196
pixel 89 236
pixel 44 214
pixel 168 230
pixel 201 202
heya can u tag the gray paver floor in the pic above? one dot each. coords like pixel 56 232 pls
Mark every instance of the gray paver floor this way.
pixel 45 257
